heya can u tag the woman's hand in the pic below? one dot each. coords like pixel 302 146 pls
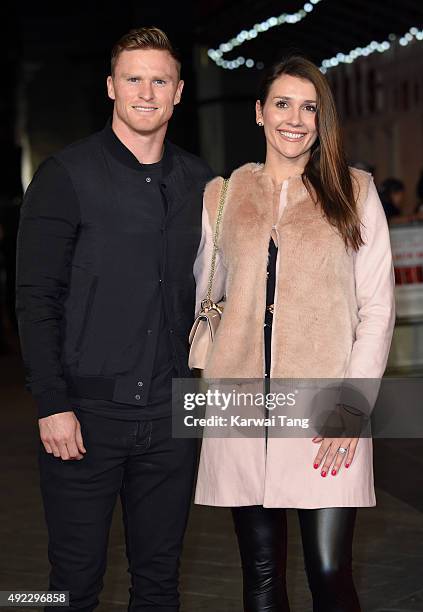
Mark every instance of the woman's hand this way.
pixel 329 452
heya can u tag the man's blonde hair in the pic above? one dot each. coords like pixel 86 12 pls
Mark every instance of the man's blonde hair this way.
pixel 144 38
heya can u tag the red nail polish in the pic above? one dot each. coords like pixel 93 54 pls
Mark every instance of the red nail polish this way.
pixel 333 472
pixel 316 465
pixel 323 474
pixel 347 465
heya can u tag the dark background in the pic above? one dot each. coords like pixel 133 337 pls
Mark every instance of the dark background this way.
pixel 55 58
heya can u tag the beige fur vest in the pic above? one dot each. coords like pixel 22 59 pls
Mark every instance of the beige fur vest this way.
pixel 315 312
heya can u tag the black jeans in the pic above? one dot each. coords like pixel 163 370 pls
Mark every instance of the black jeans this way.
pixel 153 473
pixel 327 544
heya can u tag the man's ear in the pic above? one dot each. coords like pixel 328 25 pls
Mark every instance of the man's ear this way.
pixel 178 93
pixel 110 88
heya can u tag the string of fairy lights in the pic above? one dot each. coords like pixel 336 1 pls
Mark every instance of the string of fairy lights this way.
pixel 217 55
pixel 373 47
pixel 245 35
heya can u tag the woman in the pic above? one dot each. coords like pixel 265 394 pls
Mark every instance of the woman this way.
pixel 308 235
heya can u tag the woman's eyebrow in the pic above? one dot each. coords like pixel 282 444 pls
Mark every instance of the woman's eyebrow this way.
pixel 289 98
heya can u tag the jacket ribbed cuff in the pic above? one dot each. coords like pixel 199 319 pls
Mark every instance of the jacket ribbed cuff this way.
pixel 52 402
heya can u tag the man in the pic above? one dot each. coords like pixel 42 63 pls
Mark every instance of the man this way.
pixel 109 232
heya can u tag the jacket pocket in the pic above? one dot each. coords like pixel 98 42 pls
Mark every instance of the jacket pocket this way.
pixel 88 310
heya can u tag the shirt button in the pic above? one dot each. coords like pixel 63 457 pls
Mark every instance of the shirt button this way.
pixel 148 179
pixel 138 397
pixel 170 331
pixel 140 383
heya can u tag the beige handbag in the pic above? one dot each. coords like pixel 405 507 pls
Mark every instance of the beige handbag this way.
pixel 205 325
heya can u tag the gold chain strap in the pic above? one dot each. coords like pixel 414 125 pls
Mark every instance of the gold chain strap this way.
pixel 216 237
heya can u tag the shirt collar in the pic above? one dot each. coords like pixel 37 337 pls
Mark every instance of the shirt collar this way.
pixel 120 152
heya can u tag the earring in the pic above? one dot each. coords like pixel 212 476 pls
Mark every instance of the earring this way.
pixel 260 123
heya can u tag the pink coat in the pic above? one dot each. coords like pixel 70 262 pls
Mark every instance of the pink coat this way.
pixel 334 317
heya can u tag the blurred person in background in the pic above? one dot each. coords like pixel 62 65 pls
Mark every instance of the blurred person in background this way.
pixel 392 196
pixel 303 250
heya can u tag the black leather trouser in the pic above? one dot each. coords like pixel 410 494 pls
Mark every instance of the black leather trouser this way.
pixel 327 544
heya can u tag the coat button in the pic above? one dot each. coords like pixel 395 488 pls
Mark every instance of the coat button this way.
pixel 148 179
pixel 140 383
pixel 149 331
pixel 138 397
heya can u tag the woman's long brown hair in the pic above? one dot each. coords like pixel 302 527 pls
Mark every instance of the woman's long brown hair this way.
pixel 326 175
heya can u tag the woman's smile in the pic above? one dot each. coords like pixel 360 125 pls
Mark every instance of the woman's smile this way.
pixel 291 136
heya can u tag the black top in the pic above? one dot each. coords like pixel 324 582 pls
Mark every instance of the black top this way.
pixel 105 289
pixel 270 298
